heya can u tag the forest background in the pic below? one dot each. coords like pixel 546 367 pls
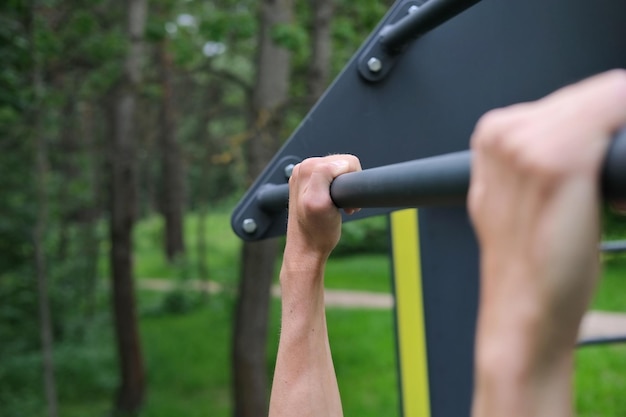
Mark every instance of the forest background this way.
pixel 128 130
pixel 119 113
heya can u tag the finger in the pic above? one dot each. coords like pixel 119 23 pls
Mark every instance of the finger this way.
pixel 353 165
pixel 328 168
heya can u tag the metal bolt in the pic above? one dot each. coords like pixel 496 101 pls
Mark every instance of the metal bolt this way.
pixel 413 9
pixel 249 226
pixel 289 170
pixel 374 64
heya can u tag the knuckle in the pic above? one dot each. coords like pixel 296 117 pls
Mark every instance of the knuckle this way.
pixel 486 128
pixel 618 81
pixel 618 76
pixel 475 198
pixel 542 165
pixel 314 205
pixel 496 126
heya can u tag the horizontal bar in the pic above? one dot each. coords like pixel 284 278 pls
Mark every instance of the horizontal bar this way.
pixel 439 180
pixel 614 246
pixel 609 340
pixel 430 15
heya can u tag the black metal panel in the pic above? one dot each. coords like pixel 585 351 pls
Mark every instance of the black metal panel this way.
pixel 449 259
pixel 494 54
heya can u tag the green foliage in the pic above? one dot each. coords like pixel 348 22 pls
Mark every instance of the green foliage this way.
pixel 221 256
pixel 19 327
pixel 86 372
pixel 290 36
pixel 364 236
pixel 613 225
pixel 361 272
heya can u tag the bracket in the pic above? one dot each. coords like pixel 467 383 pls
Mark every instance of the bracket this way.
pixel 377 60
pixel 250 220
pixel 411 20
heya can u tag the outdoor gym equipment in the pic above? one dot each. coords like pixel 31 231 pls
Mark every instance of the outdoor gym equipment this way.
pixel 414 91
pixel 438 180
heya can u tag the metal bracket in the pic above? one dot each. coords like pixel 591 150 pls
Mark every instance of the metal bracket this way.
pixel 250 220
pixel 377 60
pixel 413 19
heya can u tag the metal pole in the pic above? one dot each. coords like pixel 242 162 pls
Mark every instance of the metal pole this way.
pixel 427 17
pixel 439 180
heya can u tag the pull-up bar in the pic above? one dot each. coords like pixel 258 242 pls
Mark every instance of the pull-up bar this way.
pixel 439 180
pixel 427 17
pixel 411 21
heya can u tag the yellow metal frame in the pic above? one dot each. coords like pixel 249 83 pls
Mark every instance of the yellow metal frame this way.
pixel 413 357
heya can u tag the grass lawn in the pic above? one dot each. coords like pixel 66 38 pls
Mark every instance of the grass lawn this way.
pixel 188 360
pixel 601 370
pixel 188 355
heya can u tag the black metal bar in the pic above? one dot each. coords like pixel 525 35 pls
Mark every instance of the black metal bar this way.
pixel 430 15
pixel 273 197
pixel 439 180
pixel 614 246
pixel 614 169
pixel 601 341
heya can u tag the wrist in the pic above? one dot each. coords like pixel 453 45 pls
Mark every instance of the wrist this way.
pixel 517 367
pixel 514 384
pixel 301 258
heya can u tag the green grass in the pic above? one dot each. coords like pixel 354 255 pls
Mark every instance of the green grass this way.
pixel 600 380
pixel 188 355
pixel 370 272
pixel 360 272
pixel 364 353
pixel 611 292
pixel 188 360
pixel 221 254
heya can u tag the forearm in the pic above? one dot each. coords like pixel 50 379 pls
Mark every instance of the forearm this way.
pixel 510 381
pixel 304 379
pixel 522 368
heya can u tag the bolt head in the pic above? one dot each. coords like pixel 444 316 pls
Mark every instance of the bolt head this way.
pixel 289 170
pixel 374 64
pixel 249 226
pixel 413 9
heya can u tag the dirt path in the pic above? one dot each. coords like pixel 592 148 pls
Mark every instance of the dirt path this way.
pixel 596 324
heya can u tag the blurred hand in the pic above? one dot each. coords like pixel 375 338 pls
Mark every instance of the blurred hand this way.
pixel 534 202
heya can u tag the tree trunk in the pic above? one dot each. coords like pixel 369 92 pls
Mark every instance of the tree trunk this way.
pixel 130 394
pixel 172 197
pixel 92 211
pixel 39 236
pixel 258 259
pixel 45 316
pixel 321 48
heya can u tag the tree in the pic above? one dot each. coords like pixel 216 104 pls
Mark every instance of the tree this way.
pixel 172 180
pixel 123 179
pixel 321 48
pixel 258 259
pixel 41 225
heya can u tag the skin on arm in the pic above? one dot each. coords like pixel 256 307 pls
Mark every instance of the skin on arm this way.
pixel 534 203
pixel 304 379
